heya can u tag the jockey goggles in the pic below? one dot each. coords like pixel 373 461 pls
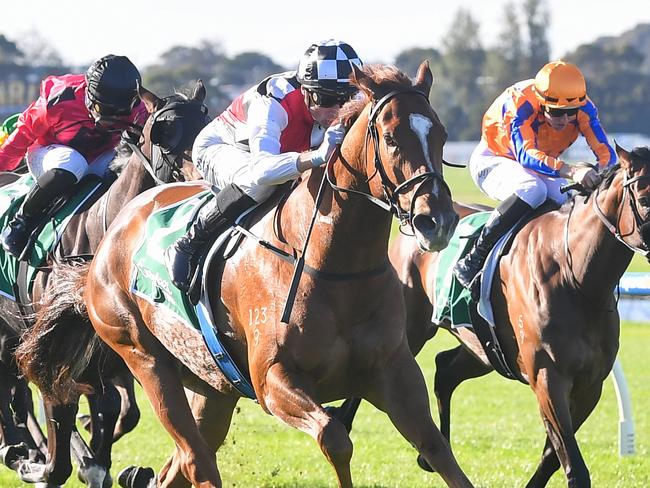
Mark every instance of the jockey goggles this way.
pixel 326 100
pixel 559 112
pixel 99 110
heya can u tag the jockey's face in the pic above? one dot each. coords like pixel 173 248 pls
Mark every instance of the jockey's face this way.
pixel 324 115
pixel 558 119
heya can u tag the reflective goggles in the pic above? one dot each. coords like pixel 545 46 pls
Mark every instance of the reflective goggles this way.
pixel 328 100
pixel 559 112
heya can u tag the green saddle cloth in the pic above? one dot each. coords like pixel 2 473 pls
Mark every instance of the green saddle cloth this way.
pixel 453 299
pixel 150 279
pixel 11 198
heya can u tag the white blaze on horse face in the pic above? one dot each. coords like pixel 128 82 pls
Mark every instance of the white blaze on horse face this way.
pixel 421 125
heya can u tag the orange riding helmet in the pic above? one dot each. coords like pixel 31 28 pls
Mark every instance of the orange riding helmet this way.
pixel 561 85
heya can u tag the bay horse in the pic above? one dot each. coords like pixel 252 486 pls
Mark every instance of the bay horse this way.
pixel 346 334
pixel 554 307
pixel 161 155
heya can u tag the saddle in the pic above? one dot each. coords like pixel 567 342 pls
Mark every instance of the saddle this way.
pixel 150 279
pixel 16 276
pixel 472 308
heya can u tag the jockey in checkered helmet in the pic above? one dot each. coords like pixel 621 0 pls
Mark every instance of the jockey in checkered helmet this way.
pixel 324 70
pixel 270 134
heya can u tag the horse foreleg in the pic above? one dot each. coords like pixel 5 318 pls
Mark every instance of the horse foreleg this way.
pixel 401 392
pixel 213 414
pixel 286 396
pixel 552 390
pixel 583 403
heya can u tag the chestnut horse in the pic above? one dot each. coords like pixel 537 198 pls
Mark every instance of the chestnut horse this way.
pixel 554 307
pixel 164 148
pixel 346 335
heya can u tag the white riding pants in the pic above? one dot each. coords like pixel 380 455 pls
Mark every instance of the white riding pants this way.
pixel 499 177
pixel 41 159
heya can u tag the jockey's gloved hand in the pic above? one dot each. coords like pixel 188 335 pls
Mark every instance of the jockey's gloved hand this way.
pixel 333 136
pixel 587 177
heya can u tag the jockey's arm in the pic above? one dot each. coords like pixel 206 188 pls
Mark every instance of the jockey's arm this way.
pixel 267 120
pixel 31 123
pixel 589 125
pixel 524 145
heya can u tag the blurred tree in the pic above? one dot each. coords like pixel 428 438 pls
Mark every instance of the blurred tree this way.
pixel 458 96
pixel 9 51
pixel 37 51
pixel 506 61
pixel 409 60
pixel 537 20
pixel 246 69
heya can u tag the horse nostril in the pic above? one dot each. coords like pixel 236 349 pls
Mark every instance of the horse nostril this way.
pixel 425 224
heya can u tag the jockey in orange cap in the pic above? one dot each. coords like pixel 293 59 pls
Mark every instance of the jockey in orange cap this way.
pixel 518 162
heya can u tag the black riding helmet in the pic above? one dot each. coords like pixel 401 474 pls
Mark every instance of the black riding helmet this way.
pixel 324 70
pixel 112 86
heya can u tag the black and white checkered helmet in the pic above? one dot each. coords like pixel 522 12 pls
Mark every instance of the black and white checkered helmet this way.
pixel 326 67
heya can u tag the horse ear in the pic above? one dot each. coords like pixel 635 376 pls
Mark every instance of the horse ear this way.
pixel 198 95
pixel 624 157
pixel 424 79
pixel 151 101
pixel 363 81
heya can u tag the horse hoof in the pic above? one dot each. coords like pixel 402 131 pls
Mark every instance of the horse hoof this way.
pixel 424 464
pixel 94 475
pixel 136 477
pixel 10 455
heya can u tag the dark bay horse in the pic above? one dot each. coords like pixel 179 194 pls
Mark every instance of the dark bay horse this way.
pixel 164 147
pixel 554 304
pixel 346 335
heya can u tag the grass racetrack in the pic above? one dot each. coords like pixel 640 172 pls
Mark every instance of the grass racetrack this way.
pixel 497 437
pixel 497 434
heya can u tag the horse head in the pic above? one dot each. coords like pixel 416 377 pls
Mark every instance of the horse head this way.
pixel 402 140
pixel 632 223
pixel 169 132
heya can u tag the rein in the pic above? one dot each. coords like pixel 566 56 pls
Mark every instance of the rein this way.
pixel 390 190
pixel 638 220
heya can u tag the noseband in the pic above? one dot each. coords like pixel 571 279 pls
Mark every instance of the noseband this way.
pixel 391 190
pixel 638 220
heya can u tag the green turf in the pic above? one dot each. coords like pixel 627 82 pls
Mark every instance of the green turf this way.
pixel 496 434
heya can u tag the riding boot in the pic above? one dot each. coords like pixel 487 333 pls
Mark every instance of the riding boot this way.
pixel 49 186
pixel 182 258
pixel 502 219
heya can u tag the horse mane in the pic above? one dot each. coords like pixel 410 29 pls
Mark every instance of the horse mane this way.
pixel 389 77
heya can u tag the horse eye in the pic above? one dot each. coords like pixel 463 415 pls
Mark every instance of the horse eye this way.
pixel 390 140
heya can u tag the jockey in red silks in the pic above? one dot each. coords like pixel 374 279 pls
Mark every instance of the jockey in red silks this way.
pixel 517 162
pixel 70 131
pixel 269 135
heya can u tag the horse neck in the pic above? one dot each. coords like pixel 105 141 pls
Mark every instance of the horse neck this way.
pixel 133 180
pixel 598 259
pixel 351 233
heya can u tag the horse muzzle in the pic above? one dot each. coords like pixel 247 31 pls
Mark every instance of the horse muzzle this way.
pixel 433 233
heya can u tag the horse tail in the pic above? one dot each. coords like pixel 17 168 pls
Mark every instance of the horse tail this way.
pixel 58 348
